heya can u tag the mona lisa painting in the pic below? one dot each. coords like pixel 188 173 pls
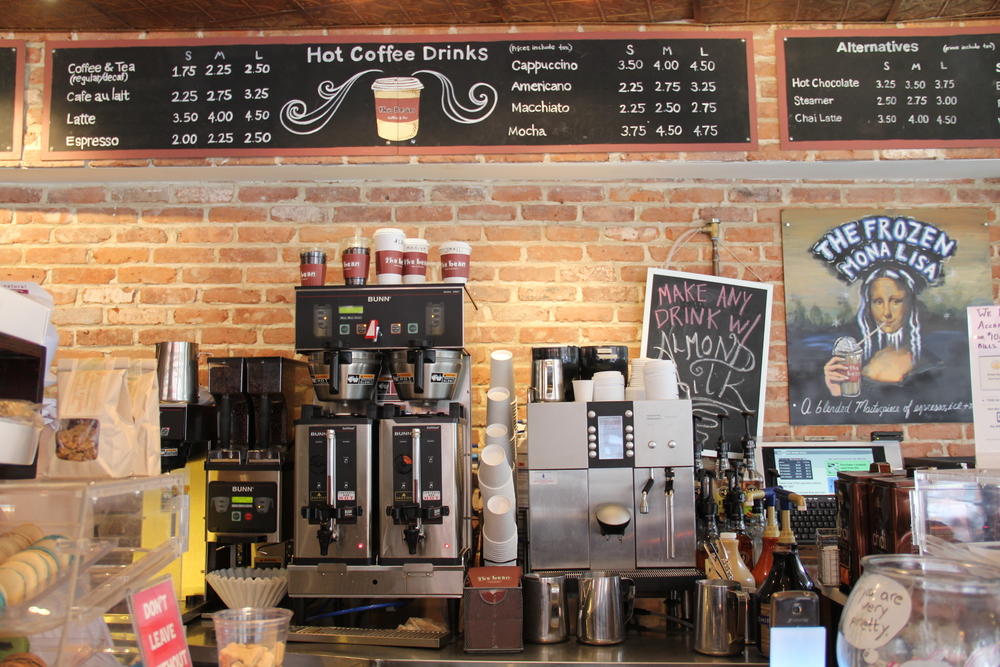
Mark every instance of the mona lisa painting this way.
pixel 876 313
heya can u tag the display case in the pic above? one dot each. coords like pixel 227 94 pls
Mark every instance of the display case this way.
pixel 106 537
pixel 956 514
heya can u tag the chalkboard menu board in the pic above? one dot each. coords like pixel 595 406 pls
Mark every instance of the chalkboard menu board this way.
pixel 11 98
pixel 717 331
pixel 920 88
pixel 405 94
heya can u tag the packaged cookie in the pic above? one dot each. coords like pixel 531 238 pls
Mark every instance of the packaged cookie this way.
pixel 96 431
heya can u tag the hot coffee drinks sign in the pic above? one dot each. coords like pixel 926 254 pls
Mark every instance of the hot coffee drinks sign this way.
pixel 876 322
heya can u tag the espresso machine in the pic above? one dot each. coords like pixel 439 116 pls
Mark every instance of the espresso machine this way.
pixel 248 468
pixel 382 498
pixel 611 487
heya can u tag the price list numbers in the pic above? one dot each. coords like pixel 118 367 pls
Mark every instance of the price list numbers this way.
pixel 223 103
pixel 685 93
pixel 209 100
pixel 890 89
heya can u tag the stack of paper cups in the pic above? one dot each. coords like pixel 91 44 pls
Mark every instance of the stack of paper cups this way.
pixel 660 378
pixel 495 475
pixel 499 530
pixel 499 411
pixel 498 435
pixel 609 386
pixel 502 375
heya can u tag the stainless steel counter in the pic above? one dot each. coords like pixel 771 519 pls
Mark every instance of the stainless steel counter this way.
pixel 674 650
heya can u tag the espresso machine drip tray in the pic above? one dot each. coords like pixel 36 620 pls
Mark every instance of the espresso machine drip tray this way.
pixel 407 638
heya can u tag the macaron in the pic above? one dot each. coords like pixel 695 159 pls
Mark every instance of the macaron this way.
pixel 49 543
pixel 8 547
pixel 35 560
pixel 27 572
pixel 13 585
pixel 20 540
pixel 50 560
pixel 31 531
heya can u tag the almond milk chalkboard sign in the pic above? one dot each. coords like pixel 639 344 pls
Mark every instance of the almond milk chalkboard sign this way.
pixel 717 331
pixel 400 94
pixel 11 98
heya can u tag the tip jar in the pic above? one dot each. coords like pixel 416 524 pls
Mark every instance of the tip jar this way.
pixel 919 610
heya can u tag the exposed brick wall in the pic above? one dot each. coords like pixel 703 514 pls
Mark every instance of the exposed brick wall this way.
pixel 554 262
pixel 131 265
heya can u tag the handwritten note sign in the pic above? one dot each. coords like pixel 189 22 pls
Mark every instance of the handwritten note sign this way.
pixel 984 359
pixel 717 331
pixel 877 610
pixel 157 622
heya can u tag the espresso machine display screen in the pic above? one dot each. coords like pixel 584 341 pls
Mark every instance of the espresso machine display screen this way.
pixel 610 438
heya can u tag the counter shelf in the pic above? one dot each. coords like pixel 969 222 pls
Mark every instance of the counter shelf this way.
pixel 676 649
pixel 116 535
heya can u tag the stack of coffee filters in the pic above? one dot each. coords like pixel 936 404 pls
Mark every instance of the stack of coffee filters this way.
pixel 660 379
pixel 609 386
pixel 496 463
pixel 249 587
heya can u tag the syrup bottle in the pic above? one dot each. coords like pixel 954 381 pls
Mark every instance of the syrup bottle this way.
pixel 769 540
pixel 787 571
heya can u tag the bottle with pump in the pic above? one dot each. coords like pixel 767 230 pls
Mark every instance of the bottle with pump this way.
pixel 707 511
pixel 755 527
pixel 750 477
pixel 769 537
pixel 721 487
pixel 739 571
pixel 787 571
pixel 736 520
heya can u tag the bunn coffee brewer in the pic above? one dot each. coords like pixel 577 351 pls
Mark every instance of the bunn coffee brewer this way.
pixel 610 487
pixel 382 499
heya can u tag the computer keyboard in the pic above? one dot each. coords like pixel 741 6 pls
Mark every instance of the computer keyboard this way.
pixel 821 512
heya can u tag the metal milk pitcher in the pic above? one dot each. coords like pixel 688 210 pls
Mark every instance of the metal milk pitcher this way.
pixel 545 616
pixel 606 605
pixel 177 371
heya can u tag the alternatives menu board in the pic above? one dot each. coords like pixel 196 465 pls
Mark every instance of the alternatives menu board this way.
pixel 11 98
pixel 913 88
pixel 400 94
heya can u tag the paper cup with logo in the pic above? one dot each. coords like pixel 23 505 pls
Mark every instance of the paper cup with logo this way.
pixel 415 261
pixel 455 262
pixel 356 256
pixel 312 267
pixel 397 107
pixel 389 246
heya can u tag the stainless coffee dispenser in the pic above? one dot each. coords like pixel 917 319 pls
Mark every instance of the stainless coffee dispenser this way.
pixel 384 491
pixel 610 487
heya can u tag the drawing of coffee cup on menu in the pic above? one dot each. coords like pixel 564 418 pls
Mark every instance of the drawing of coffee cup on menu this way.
pixel 397 107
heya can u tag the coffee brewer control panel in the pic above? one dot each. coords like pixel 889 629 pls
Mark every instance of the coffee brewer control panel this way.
pixel 378 317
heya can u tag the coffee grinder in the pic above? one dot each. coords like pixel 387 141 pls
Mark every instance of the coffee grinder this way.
pixel 382 500
pixel 249 467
